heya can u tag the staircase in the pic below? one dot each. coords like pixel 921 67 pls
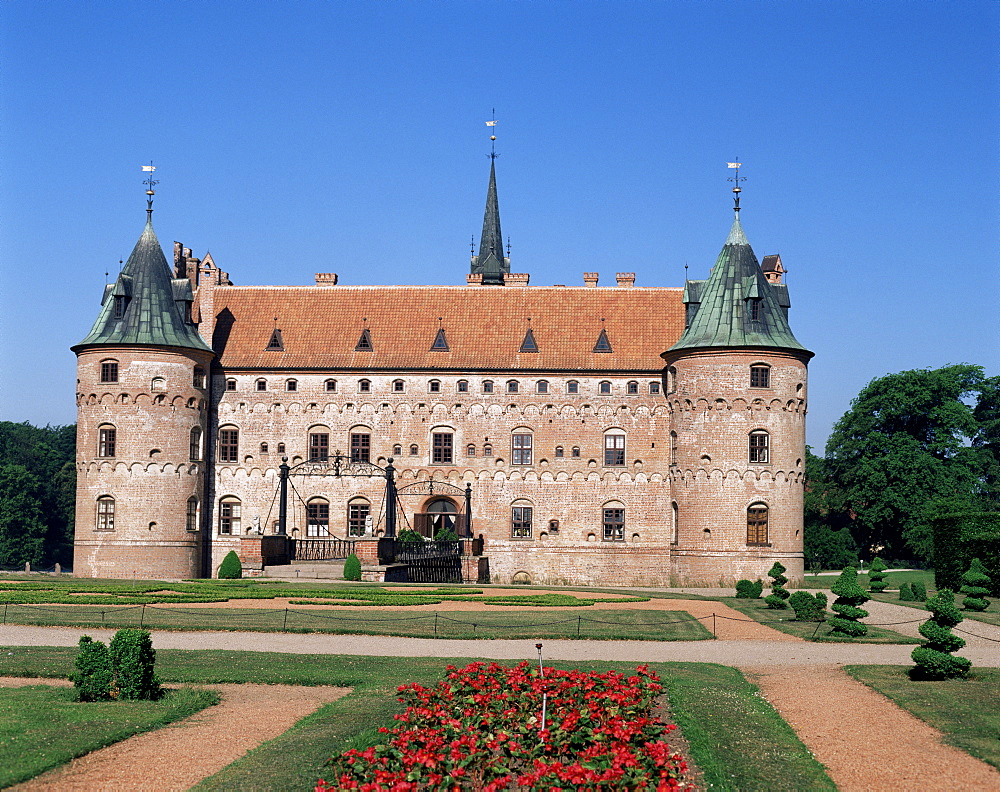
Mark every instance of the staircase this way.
pixel 307 570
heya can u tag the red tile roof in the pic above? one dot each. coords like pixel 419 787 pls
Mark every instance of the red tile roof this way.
pixel 485 326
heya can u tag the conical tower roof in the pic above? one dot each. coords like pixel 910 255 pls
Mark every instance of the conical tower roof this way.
pixel 146 306
pixel 736 307
pixel 490 261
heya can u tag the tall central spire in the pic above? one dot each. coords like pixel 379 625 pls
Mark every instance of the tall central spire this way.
pixel 491 262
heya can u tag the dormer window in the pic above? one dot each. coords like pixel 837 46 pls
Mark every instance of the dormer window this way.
pixel 753 309
pixel 120 302
pixel 198 380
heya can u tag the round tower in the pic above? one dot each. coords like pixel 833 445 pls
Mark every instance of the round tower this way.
pixel 142 405
pixel 736 388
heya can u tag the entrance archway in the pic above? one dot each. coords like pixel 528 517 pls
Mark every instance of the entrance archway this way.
pixel 438 515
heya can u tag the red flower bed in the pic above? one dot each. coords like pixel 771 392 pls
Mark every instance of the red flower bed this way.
pixel 481 729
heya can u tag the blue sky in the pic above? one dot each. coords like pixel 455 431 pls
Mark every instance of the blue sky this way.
pixel 301 137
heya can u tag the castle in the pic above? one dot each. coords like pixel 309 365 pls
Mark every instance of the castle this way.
pixel 626 435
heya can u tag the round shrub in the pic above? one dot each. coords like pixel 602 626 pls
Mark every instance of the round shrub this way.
pixel 231 566
pixel 749 589
pixel 352 568
pixel 919 591
pixel 807 607
pixel 776 599
pixel 905 592
pixel 409 535
pixel 92 677
pixel 876 576
pixel 849 596
pixel 976 585
pixel 933 658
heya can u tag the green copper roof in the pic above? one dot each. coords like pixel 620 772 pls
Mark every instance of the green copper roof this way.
pixel 736 306
pixel 490 261
pixel 152 306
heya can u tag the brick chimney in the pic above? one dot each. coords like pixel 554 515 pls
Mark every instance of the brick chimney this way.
pixel 590 280
pixel 326 278
pixel 516 279
pixel 474 279
pixel 626 280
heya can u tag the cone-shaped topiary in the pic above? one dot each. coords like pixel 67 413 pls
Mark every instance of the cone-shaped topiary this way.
pixel 905 593
pixel 231 566
pixel 352 568
pixel 933 658
pixel 876 576
pixel 776 599
pixel 849 596
pixel 749 589
pixel 92 677
pixel 919 591
pixel 976 585
pixel 807 607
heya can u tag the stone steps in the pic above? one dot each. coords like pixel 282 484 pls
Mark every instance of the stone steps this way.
pixel 307 570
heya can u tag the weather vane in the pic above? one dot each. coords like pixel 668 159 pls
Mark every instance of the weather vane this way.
pixel 493 138
pixel 150 184
pixel 736 179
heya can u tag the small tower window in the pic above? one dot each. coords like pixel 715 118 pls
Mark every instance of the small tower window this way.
pixel 194 450
pixel 753 309
pixel 542 386
pixel 576 452
pixel 654 387
pixel 364 386
pixel 673 448
pixel 760 376
pixel 632 388
pixel 120 302
pixel 470 450
pixel 198 380
pixel 105 513
pixel 107 437
pixel 760 447
pixel 264 449
pixel 511 386
pixel 757 524
pixel 281 448
pixel 487 450
pixel 109 371
pixel 414 450
pixel 559 452
pixel 191 518
pixel 397 450
pixel 434 386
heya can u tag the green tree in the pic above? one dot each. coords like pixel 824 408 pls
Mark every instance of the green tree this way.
pixel 827 542
pixel 22 527
pixel 912 444
pixel 975 587
pixel 934 658
pixel 876 575
pixel 776 599
pixel 850 596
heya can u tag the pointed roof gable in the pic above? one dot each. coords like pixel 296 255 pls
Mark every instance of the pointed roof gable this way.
pixel 146 306
pixel 529 344
pixel 440 342
pixel 603 345
pixel 490 261
pixel 276 344
pixel 736 306
pixel 364 342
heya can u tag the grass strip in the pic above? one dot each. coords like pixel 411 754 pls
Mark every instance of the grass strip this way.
pixel 608 625
pixel 42 727
pixel 735 736
pixel 784 621
pixel 959 708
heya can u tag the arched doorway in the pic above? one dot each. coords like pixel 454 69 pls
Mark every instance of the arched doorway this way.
pixel 439 514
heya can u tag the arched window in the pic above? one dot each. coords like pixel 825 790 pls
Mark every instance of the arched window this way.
pixel 229 515
pixel 760 375
pixel 604 387
pixel 559 452
pixel 319 444
pixel 198 378
pixel 330 386
pixel 359 517
pixel 521 441
pixel 521 512
pixel 361 444
pixel 487 450
pixel 757 524
pixel 511 386
pixel 229 444
pixel 542 386
pixel 191 519
pixel 487 386
pixel 398 386
pixel 158 385
pixel 434 386
pixel 230 384
pixel 105 513
pixel 462 386
pixel 632 388
pixel 107 440
pixel 614 448
pixel 194 446
pixel 414 450
pixel 613 520
pixel 671 379
pixel 263 448
pixel 654 386
pixel 470 450
pixel 760 446
pixel 318 517
pixel 441 515
pixel 291 385
pixel 109 370
pixel 673 448
pixel 397 450
pixel 261 385
pixel 364 386
pixel 281 448
pixel 572 386
pixel 576 452
pixel 442 446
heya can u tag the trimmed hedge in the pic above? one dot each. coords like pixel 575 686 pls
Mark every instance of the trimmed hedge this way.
pixel 749 589
pixel 231 568
pixel 132 660
pixel 876 576
pixel 976 584
pixel 807 607
pixel 933 658
pixel 918 591
pixel 960 537
pixel 92 678
pixel 352 568
pixel 905 593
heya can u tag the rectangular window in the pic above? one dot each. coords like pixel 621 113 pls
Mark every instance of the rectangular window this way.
pixel 434 386
pixel 463 386
pixel 230 384
pixel 572 386
pixel 361 447
pixel 760 377
pixel 318 519
pixel 487 387
pixel 194 450
pixel 520 522
pixel 106 441
pixel 229 517
pixel 319 447
pixel 654 387
pixel 521 449
pixel 441 449
pixel 229 445
pixel 614 525
pixel 614 450
pixel 191 522
pixel 357 518
pixel 757 525
pixel 759 450
pixel 109 371
pixel 106 514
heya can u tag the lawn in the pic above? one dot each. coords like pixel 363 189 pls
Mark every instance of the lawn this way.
pixel 735 737
pixel 960 708
pixel 784 621
pixel 42 727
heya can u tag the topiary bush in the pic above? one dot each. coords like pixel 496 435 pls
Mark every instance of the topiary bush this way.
pixel 231 566
pixel 807 607
pixel 905 592
pixel 446 535
pixel 409 535
pixel 976 585
pixel 92 678
pixel 876 576
pixel 749 589
pixel 919 591
pixel 132 660
pixel 776 599
pixel 849 596
pixel 352 568
pixel 933 658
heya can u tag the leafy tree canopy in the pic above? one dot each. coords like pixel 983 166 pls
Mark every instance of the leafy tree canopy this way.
pixel 914 444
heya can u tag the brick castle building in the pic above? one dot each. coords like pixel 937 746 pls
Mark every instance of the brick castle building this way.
pixel 607 435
